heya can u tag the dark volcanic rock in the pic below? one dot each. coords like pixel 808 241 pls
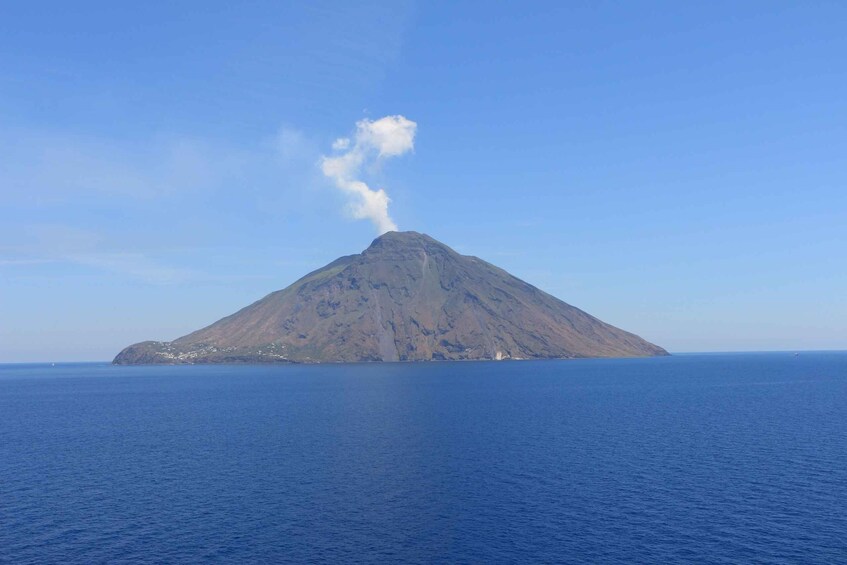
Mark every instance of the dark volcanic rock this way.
pixel 406 298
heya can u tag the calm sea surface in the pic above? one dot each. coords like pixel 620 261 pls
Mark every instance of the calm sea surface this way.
pixel 718 458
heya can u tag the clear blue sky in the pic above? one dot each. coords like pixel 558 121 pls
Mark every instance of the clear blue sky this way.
pixel 678 169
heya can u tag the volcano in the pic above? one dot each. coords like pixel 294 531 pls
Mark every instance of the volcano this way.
pixel 407 297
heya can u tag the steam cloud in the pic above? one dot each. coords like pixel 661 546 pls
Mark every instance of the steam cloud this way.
pixel 373 142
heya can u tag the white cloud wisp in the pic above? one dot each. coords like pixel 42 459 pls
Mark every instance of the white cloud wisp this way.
pixel 373 142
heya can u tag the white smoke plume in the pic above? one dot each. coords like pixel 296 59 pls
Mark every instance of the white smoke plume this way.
pixel 373 141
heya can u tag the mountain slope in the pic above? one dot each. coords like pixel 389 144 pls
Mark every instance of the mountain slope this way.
pixel 405 298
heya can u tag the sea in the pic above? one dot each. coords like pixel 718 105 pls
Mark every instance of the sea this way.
pixel 701 458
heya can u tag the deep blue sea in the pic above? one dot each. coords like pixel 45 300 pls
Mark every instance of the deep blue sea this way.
pixel 692 458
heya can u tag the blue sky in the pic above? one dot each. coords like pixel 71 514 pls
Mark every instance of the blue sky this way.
pixel 674 168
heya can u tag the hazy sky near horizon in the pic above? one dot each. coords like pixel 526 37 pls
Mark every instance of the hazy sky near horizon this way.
pixel 677 169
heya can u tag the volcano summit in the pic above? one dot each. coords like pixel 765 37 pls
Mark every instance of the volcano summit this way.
pixel 407 297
